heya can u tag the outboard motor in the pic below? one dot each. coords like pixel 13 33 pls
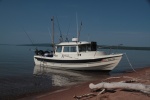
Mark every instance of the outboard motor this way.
pixel 41 52
pixel 51 54
pixel 46 53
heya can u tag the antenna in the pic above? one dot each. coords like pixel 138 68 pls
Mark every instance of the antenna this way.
pixel 79 30
pixel 67 40
pixel 88 37
pixel 77 25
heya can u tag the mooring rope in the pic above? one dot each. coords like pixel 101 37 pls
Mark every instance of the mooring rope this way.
pixel 129 62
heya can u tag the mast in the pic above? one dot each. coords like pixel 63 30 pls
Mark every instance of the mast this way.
pixel 53 33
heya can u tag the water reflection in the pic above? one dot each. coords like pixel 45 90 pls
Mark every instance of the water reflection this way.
pixel 66 77
pixel 43 79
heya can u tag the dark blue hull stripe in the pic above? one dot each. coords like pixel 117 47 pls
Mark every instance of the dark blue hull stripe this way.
pixel 73 61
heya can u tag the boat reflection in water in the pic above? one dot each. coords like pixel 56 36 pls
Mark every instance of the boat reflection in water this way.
pixel 43 79
pixel 66 77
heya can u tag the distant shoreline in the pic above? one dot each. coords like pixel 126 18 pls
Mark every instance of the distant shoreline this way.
pixel 125 48
pixel 99 46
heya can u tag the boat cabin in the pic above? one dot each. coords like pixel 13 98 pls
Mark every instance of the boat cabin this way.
pixel 70 47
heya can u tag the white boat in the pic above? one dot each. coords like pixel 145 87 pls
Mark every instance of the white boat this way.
pixel 78 55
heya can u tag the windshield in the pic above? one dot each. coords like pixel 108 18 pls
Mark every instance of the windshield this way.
pixel 59 49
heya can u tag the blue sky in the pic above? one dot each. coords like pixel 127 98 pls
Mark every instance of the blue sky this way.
pixel 109 22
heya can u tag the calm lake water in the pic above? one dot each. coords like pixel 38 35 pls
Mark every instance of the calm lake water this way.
pixel 19 76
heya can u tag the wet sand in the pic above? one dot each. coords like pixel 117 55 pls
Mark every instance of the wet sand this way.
pixel 68 93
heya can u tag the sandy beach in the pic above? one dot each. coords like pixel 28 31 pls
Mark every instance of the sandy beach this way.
pixel 68 93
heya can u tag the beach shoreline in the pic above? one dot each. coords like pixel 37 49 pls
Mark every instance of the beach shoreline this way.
pixel 68 93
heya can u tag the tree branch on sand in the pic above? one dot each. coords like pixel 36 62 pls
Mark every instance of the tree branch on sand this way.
pixel 85 95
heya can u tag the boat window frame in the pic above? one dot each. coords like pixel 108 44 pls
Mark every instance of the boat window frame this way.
pixel 84 47
pixel 69 49
pixel 60 50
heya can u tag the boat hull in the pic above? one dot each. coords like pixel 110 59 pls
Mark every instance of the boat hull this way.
pixel 106 63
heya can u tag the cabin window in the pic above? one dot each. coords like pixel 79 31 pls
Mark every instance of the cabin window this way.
pixel 59 48
pixel 66 49
pixel 93 46
pixel 88 47
pixel 69 48
pixel 73 49
pixel 83 48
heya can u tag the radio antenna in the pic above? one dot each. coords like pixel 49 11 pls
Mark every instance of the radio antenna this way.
pixel 79 31
pixel 77 26
pixel 67 40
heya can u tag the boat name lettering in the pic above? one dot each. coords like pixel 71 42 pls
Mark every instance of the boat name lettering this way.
pixel 109 59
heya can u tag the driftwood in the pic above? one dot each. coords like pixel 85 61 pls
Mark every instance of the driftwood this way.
pixel 115 85
pixel 132 78
pixel 103 90
pixel 88 95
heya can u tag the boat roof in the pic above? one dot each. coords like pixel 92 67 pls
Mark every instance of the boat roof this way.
pixel 73 43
